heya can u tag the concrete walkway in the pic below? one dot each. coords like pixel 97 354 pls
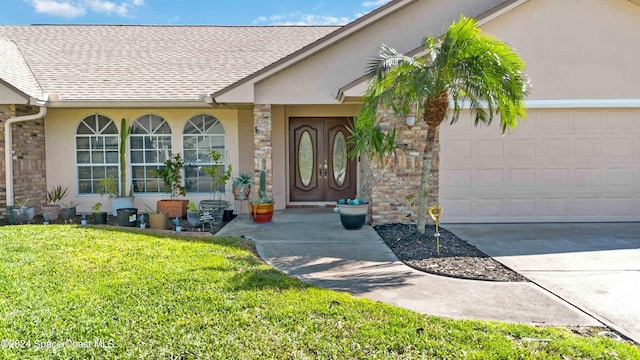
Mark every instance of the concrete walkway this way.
pixel 594 266
pixel 312 245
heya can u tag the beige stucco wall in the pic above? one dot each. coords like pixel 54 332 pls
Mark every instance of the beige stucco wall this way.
pixel 60 128
pixel 317 79
pixel 245 141
pixel 281 115
pixel 10 96
pixel 587 49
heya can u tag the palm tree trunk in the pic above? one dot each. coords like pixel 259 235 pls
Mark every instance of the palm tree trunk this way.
pixel 427 161
pixel 434 113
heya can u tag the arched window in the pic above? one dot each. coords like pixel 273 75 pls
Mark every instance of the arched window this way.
pixel 203 133
pixel 150 148
pixel 96 153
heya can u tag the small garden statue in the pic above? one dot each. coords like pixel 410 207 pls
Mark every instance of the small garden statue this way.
pixel 176 221
pixel 435 211
pixel 46 219
pixel 83 222
pixel 143 224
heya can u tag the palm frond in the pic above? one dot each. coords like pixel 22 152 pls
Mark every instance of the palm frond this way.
pixel 387 59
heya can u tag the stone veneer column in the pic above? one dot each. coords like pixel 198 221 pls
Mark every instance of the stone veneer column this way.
pixel 389 202
pixel 263 147
pixel 29 172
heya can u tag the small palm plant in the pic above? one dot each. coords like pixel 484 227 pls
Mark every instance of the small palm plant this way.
pixel 242 185
pixel 464 67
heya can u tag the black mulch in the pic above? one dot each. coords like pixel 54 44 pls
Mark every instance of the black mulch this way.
pixel 457 258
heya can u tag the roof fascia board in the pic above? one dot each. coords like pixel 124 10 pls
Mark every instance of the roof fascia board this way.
pixel 317 46
pixel 129 104
pixel 499 11
pixel 484 18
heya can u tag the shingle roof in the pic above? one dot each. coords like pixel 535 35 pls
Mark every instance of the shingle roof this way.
pixel 15 71
pixel 150 63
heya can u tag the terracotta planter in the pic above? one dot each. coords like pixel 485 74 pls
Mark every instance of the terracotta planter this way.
pixel 261 213
pixel 241 192
pixel 173 208
pixel 159 221
pixel 53 211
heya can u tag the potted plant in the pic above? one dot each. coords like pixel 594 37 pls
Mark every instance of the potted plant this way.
pixel 217 205
pixel 52 209
pixel 171 175
pixel 118 196
pixel 68 211
pixel 99 216
pixel 127 217
pixel 353 213
pixel 23 213
pixel 242 186
pixel 262 206
pixel 158 219
pixel 193 214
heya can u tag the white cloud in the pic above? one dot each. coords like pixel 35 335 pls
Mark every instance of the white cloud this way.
pixel 374 3
pixel 75 8
pixel 299 18
pixel 52 7
pixel 108 7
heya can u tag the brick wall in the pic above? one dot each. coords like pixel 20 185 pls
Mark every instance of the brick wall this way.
pixel 401 178
pixel 29 171
pixel 263 147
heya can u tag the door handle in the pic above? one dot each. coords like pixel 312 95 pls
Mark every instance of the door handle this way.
pixel 319 171
pixel 326 170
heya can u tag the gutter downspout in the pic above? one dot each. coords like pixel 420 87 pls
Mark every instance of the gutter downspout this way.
pixel 8 153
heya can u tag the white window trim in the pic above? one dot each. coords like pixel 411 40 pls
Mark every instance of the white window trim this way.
pixel 144 164
pixel 224 151
pixel 91 165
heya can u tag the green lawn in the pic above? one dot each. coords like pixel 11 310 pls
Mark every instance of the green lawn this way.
pixel 65 289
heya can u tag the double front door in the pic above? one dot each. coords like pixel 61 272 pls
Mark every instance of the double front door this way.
pixel 320 166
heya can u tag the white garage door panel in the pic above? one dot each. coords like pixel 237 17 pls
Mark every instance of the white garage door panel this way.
pixel 561 165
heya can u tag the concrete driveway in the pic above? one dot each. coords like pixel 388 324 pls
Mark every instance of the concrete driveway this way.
pixel 593 266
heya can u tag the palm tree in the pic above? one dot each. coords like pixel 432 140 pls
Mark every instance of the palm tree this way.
pixel 463 68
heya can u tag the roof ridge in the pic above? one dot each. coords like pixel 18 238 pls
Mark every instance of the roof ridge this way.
pixel 178 26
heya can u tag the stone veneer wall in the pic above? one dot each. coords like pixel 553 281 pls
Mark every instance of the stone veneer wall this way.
pixel 263 147
pixel 389 203
pixel 29 170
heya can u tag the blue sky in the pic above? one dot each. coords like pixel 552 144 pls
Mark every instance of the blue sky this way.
pixel 185 12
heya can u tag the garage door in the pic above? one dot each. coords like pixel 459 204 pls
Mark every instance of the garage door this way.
pixel 560 165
